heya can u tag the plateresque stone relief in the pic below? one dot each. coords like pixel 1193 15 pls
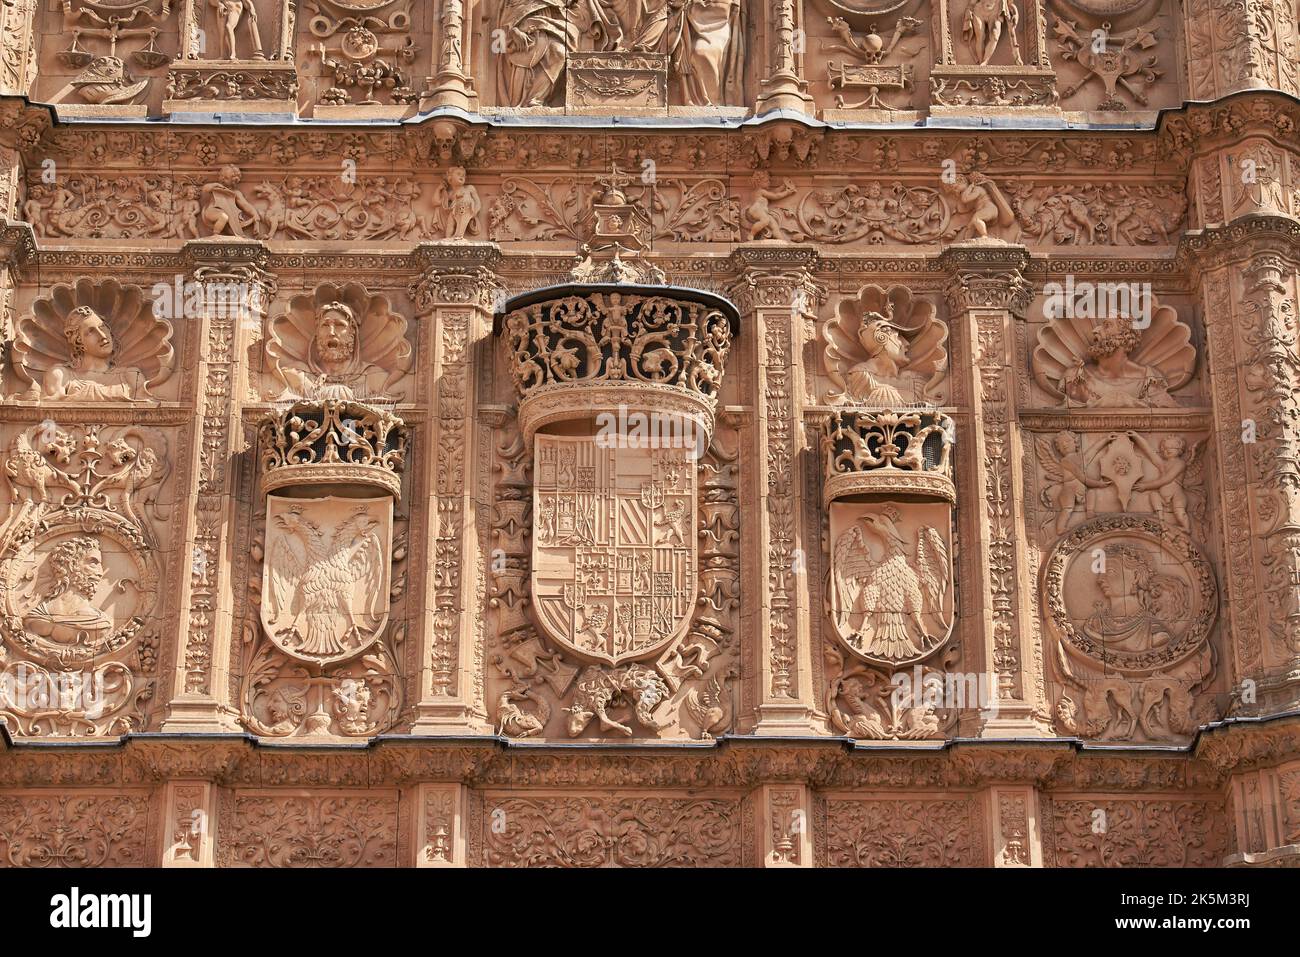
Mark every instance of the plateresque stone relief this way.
pixel 504 433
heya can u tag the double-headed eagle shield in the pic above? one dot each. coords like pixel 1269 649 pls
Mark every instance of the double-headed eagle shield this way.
pixel 614 530
pixel 325 579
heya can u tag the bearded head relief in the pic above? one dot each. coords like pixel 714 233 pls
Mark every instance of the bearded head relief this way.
pixel 335 341
pixel 339 342
pixel 66 612
pixel 1114 361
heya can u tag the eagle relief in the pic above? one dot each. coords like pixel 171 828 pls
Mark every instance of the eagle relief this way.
pixel 325 581
pixel 891 571
pixel 614 565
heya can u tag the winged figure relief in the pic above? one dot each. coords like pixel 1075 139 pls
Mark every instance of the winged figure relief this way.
pixel 884 592
pixel 328 595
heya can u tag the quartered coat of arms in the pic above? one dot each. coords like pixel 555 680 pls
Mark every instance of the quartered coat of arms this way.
pixel 891 570
pixel 614 566
pixel 325 581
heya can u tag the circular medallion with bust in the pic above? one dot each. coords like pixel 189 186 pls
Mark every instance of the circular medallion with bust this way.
pixel 90 374
pixel 336 367
pixel 65 612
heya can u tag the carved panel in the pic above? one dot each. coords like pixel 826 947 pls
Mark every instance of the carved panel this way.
pixel 302 829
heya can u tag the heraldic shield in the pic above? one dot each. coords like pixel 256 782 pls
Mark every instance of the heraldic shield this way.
pixel 891 573
pixel 325 580
pixel 614 562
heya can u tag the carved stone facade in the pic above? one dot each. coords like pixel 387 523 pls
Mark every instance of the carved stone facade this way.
pixel 659 431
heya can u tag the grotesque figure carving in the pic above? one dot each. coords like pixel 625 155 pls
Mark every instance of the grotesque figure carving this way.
pixel 339 342
pixel 886 349
pixel 1114 363
pixel 93 343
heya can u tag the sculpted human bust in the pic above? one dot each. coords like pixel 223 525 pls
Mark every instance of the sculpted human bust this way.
pixel 338 370
pixel 66 612
pixel 90 373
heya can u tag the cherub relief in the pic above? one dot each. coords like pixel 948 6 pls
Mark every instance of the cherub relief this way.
pixel 93 343
pixel 226 210
pixel 762 220
pixel 1122 472
pixel 1112 363
pixel 977 207
pixel 459 203
pixel 885 349
pixel 339 342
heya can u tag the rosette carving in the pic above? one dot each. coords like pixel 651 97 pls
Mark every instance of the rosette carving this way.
pixel 332 442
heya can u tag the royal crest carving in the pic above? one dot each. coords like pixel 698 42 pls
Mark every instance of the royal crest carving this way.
pixel 891 569
pixel 614 563
pixel 326 576
pixel 93 342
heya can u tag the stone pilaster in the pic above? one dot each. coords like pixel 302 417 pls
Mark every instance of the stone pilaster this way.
pixel 190 816
pixel 1237 46
pixel 773 292
pixel 441 825
pixel 783 86
pixel 1015 831
pixel 455 296
pixel 785 830
pixel 17 56
pixel 1248 275
pixel 200 698
pixel 452 83
pixel 987 294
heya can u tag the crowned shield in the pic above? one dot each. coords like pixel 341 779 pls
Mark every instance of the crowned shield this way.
pixel 614 565
pixel 325 580
pixel 891 600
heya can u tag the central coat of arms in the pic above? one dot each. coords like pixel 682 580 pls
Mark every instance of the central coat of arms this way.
pixel 614 568
pixel 326 578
